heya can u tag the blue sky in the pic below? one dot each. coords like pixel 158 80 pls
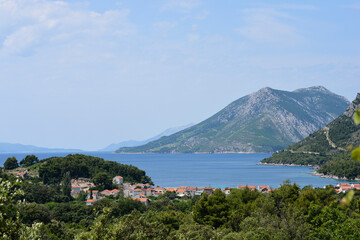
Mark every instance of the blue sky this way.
pixel 84 74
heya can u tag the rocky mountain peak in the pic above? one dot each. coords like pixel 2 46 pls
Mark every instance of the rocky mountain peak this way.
pixel 313 88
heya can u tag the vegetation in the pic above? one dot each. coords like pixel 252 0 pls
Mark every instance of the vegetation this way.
pixel 52 170
pixel 11 163
pixel 286 213
pixel 331 148
pixel 29 160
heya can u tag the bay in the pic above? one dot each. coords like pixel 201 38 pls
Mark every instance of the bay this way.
pixel 204 170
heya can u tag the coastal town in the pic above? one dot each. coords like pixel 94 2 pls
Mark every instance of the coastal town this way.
pixel 141 192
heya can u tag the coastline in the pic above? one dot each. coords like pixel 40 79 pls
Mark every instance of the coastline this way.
pixel 191 153
pixel 333 177
pixel 311 173
pixel 288 164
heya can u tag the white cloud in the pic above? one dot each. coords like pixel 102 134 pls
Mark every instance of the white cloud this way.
pixel 268 26
pixel 28 24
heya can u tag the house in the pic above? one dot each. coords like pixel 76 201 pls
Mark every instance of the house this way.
pixel 208 190
pixel 128 192
pixel 246 186
pixel 118 180
pixel 75 190
pixel 94 193
pixel 90 202
pixel 113 192
pixel 263 188
pixel 170 189
pixel 150 192
pixel 159 191
pixel 142 200
pixel 226 191
pixel 24 175
pixel 345 189
pixel 199 192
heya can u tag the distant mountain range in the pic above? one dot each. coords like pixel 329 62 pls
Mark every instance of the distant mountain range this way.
pixel 265 121
pixel 133 143
pixel 20 148
pixel 328 147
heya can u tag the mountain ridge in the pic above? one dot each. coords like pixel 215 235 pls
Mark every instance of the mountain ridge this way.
pixel 21 148
pixel 134 143
pixel 263 121
pixel 329 147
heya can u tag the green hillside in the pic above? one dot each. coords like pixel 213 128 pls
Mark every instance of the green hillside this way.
pixel 264 121
pixel 329 147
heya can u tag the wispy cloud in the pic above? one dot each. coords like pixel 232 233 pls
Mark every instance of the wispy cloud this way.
pixel 268 26
pixel 28 24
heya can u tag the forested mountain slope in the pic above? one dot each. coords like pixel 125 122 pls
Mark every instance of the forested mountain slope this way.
pixel 328 147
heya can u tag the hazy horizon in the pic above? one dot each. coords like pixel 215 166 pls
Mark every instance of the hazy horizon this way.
pixel 85 74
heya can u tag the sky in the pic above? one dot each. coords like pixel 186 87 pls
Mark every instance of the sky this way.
pixel 85 74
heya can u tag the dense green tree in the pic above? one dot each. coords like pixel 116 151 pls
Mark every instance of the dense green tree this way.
pixel 29 160
pixel 53 169
pixel 103 180
pixel 41 193
pixel 212 210
pixel 34 212
pixel 11 163
pixel 131 226
pixel 66 186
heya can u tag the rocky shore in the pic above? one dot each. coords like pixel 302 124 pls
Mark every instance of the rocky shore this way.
pixel 333 177
pixel 286 164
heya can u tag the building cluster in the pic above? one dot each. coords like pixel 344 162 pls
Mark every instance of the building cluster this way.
pixel 345 187
pixel 260 188
pixel 140 192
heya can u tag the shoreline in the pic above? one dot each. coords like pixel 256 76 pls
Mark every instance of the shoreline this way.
pixel 333 177
pixel 193 153
pixel 289 165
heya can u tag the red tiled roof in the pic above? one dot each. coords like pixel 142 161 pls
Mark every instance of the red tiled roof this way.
pixel 119 177
pixel 344 184
pixel 140 199
pixel 91 200
pixel 263 186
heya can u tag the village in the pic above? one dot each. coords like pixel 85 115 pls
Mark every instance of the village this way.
pixel 141 192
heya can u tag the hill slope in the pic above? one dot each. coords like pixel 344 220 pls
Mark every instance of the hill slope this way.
pixel 328 147
pixel 264 121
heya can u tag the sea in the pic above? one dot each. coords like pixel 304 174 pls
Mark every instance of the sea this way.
pixel 205 170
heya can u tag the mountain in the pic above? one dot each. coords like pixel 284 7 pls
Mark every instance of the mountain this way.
pixel 328 147
pixel 134 143
pixel 265 121
pixel 20 148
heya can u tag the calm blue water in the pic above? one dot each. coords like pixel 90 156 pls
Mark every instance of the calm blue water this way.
pixel 201 170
